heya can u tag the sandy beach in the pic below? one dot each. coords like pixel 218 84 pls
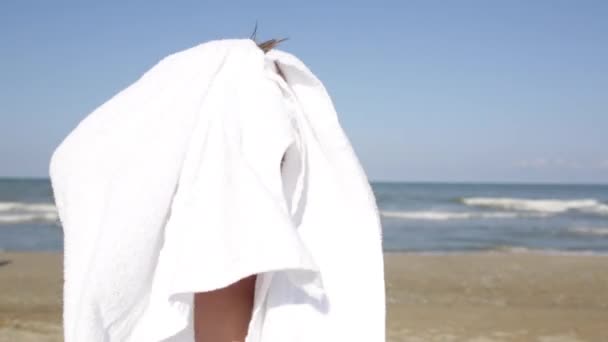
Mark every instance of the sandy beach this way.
pixel 462 297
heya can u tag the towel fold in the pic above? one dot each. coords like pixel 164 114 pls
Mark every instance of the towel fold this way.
pixel 174 186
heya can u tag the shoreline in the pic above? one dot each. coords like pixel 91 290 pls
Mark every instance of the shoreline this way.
pixel 506 250
pixel 503 250
pixel 478 296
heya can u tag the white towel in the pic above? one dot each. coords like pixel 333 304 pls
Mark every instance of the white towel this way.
pixel 173 187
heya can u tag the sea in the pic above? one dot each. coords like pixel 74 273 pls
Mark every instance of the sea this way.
pixel 416 217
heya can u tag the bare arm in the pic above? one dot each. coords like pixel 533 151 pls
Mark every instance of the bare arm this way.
pixel 223 315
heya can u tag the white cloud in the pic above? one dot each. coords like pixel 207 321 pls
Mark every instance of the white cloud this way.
pixel 541 163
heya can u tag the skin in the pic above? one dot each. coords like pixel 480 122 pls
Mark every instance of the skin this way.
pixel 223 315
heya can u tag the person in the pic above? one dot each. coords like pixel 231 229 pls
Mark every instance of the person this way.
pixel 223 315
pixel 217 198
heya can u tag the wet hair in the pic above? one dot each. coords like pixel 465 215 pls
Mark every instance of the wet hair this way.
pixel 268 44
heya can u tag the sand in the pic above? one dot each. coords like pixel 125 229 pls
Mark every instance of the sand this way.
pixel 463 297
pixel 30 297
pixel 497 297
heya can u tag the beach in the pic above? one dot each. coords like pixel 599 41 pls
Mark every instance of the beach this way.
pixel 30 297
pixel 477 297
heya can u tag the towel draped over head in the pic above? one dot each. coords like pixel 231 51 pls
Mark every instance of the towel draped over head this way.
pixel 175 186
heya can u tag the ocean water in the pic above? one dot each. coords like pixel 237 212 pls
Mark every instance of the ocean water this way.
pixel 416 217
pixel 506 217
pixel 28 219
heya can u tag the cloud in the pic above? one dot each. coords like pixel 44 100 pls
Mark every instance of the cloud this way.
pixel 542 163
pixel 559 163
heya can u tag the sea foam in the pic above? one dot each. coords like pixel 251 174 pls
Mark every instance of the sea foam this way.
pixel 23 218
pixel 590 231
pixel 447 215
pixel 21 206
pixel 20 212
pixel 549 206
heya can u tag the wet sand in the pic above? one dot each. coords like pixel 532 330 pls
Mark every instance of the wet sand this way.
pixel 465 297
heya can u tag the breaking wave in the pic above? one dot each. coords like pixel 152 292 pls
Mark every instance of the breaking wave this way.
pixel 20 212
pixel 506 249
pixel 589 231
pixel 13 206
pixel 447 215
pixel 547 206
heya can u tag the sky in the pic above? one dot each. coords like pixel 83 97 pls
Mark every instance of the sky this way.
pixel 448 91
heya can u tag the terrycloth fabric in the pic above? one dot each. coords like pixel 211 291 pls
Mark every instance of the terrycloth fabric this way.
pixel 174 186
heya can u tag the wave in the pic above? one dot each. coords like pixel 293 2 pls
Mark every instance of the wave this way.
pixel 28 218
pixel 590 231
pixel 507 249
pixel 447 215
pixel 548 206
pixel 20 212
pixel 31 207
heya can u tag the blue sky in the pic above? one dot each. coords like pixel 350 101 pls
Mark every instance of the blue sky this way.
pixel 507 91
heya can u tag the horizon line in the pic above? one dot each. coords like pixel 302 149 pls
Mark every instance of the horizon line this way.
pixel 393 181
